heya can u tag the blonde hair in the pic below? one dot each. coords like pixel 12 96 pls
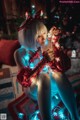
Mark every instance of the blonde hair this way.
pixel 29 34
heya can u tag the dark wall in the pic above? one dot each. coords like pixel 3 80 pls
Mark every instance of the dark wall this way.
pixel 2 18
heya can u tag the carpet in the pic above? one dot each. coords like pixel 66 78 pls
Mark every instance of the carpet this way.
pixel 25 108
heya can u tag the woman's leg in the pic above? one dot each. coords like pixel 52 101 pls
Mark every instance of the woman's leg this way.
pixel 66 93
pixel 44 96
pixel 41 91
pixel 31 91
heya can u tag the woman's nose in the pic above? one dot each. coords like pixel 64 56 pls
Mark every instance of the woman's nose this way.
pixel 42 37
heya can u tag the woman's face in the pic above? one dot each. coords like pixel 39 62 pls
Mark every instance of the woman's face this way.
pixel 41 38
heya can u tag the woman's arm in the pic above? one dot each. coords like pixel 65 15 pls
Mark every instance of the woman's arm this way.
pixel 24 71
pixel 20 61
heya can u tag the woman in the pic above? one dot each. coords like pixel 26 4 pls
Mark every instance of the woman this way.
pixel 32 35
pixel 37 85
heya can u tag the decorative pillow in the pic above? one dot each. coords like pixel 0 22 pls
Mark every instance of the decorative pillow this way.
pixel 23 108
pixel 7 48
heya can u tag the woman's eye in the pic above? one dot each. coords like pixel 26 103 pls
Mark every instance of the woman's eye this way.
pixel 44 33
pixel 39 36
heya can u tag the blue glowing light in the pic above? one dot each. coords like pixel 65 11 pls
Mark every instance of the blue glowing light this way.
pixel 56 97
pixel 31 65
pixel 27 57
pixel 55 113
pixel 20 116
pixel 46 42
pixel 34 116
pixel 46 69
pixel 61 115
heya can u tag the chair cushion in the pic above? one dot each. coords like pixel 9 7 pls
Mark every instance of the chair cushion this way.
pixel 7 48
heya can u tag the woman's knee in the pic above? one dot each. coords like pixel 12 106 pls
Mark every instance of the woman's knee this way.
pixel 43 80
pixel 58 76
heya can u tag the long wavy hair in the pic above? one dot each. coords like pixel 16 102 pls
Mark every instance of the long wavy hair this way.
pixel 29 33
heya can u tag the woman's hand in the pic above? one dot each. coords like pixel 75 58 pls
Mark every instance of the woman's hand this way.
pixel 50 53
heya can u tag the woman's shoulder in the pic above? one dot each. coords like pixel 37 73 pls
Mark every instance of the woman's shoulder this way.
pixel 19 52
